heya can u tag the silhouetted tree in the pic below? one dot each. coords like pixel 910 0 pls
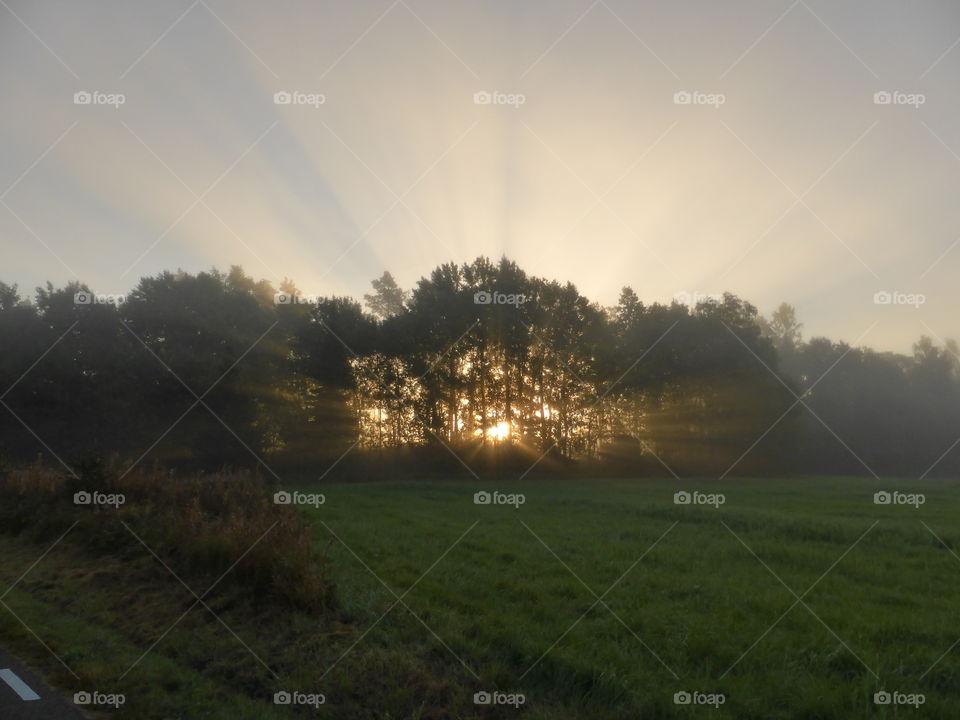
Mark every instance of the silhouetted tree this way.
pixel 216 367
pixel 388 299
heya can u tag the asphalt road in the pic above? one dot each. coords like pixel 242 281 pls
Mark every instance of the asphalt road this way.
pixel 24 696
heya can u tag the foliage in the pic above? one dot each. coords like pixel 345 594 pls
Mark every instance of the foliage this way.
pixel 204 524
pixel 197 370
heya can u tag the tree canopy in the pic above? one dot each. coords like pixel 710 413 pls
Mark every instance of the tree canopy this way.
pixel 215 367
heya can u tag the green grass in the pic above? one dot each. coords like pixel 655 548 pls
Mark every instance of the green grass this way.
pixel 511 597
pixel 698 600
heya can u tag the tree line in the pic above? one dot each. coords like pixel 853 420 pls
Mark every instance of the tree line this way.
pixel 479 363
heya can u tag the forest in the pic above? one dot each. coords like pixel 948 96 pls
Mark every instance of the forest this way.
pixel 479 366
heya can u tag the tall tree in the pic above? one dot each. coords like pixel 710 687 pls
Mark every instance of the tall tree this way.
pixel 387 299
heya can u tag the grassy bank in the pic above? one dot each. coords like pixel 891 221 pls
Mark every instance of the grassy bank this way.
pixel 501 598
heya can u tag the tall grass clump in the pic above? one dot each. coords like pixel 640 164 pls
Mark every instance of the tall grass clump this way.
pixel 199 524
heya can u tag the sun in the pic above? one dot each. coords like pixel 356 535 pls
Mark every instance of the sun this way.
pixel 500 431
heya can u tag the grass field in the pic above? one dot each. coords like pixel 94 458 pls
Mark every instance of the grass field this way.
pixel 795 598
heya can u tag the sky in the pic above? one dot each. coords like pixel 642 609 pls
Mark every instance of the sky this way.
pixel 805 151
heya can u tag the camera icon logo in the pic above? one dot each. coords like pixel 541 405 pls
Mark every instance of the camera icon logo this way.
pixel 882 698
pixel 282 298
pixel 82 498
pixel 682 98
pixel 482 97
pixel 882 98
pixel 82 698
pixel 482 298
pixel 882 298
pixel 282 98
pixel 681 497
pixel 83 298
pixel 482 698
pixel 282 698
pixel 282 498
pixel 882 498
pixel 682 698
pixel 82 98
pixel 482 498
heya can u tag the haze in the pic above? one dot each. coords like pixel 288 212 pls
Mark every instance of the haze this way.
pixel 799 187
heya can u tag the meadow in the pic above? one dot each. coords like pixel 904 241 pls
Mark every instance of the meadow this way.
pixel 784 598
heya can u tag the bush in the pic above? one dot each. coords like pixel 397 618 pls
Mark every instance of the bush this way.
pixel 199 524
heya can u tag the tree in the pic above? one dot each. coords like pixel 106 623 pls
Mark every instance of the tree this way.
pixel 9 297
pixel 388 299
pixel 480 354
pixel 783 329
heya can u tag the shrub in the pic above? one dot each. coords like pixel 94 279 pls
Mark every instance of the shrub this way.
pixel 199 524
